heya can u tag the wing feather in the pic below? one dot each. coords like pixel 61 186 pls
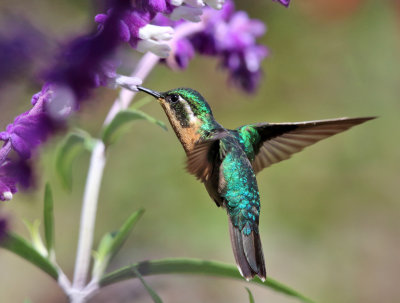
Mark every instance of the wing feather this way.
pixel 200 160
pixel 278 141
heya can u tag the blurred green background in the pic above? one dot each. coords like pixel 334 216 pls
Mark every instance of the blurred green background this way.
pixel 330 215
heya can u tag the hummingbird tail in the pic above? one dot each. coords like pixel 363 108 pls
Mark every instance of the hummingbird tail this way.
pixel 248 253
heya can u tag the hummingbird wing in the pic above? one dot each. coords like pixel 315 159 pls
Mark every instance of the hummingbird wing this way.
pixel 201 159
pixel 274 142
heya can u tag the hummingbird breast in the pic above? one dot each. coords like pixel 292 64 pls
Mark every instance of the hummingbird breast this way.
pixel 239 188
pixel 233 185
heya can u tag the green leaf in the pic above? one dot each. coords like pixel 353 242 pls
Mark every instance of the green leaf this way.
pixel 34 232
pixel 113 131
pixel 73 145
pixel 251 298
pixel 27 301
pixel 123 233
pixel 112 242
pixel 22 248
pixel 100 256
pixel 151 292
pixel 49 220
pixel 193 266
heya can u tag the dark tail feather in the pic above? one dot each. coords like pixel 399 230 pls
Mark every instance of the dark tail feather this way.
pixel 248 253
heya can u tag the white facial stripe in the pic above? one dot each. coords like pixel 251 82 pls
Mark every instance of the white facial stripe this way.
pixel 191 116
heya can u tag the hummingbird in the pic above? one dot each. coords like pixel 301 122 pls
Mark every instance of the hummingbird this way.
pixel 227 161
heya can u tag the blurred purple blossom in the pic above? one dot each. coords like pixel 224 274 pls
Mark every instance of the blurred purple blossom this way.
pixel 84 60
pixel 228 35
pixel 87 62
pixel 183 53
pixel 283 2
pixel 21 47
pixel 13 173
pixel 3 228
pixel 30 128
pixel 83 65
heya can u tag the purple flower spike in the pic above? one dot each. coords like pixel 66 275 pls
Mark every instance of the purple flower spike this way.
pixel 283 2
pixel 11 174
pixel 232 36
pixel 21 48
pixel 84 57
pixel 27 132
pixel 7 188
pixel 152 6
pixel 184 52
pixel 84 65
pixel 3 228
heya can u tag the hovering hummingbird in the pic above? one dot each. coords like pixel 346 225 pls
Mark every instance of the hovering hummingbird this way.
pixel 227 162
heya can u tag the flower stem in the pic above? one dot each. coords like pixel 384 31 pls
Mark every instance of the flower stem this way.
pixel 79 293
pixel 93 182
pixel 144 67
pixel 88 216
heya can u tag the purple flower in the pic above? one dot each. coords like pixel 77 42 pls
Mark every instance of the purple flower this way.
pixel 3 228
pixel 21 45
pixel 244 67
pixel 108 71
pixel 151 6
pixel 87 62
pixel 238 32
pixel 27 131
pixel 13 173
pixel 82 66
pixel 230 36
pixel 128 26
pixel 184 53
pixel 283 2
pixel 8 186
pixel 82 60
pixel 134 28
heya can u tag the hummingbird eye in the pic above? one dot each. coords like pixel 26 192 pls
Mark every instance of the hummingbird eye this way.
pixel 173 98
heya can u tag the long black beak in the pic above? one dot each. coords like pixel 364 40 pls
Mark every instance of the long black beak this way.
pixel 150 92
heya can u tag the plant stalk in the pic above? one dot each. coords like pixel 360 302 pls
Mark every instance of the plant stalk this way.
pixel 79 293
pixel 88 216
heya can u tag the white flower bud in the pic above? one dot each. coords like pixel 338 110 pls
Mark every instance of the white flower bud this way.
pixel 130 83
pixel 7 195
pixel 162 50
pixel 177 2
pixel 155 32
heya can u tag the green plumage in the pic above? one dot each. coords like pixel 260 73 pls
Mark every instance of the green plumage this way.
pixel 227 161
pixel 240 191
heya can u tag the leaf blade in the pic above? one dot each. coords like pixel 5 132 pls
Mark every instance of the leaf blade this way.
pixel 72 146
pixel 124 232
pixel 111 243
pixel 36 240
pixel 156 298
pixel 48 215
pixel 111 131
pixel 251 298
pixel 22 248
pixel 193 266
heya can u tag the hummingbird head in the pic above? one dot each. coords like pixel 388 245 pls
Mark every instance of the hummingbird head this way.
pixel 187 111
pixel 184 105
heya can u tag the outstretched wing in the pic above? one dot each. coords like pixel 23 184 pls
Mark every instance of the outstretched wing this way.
pixel 201 159
pixel 274 142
